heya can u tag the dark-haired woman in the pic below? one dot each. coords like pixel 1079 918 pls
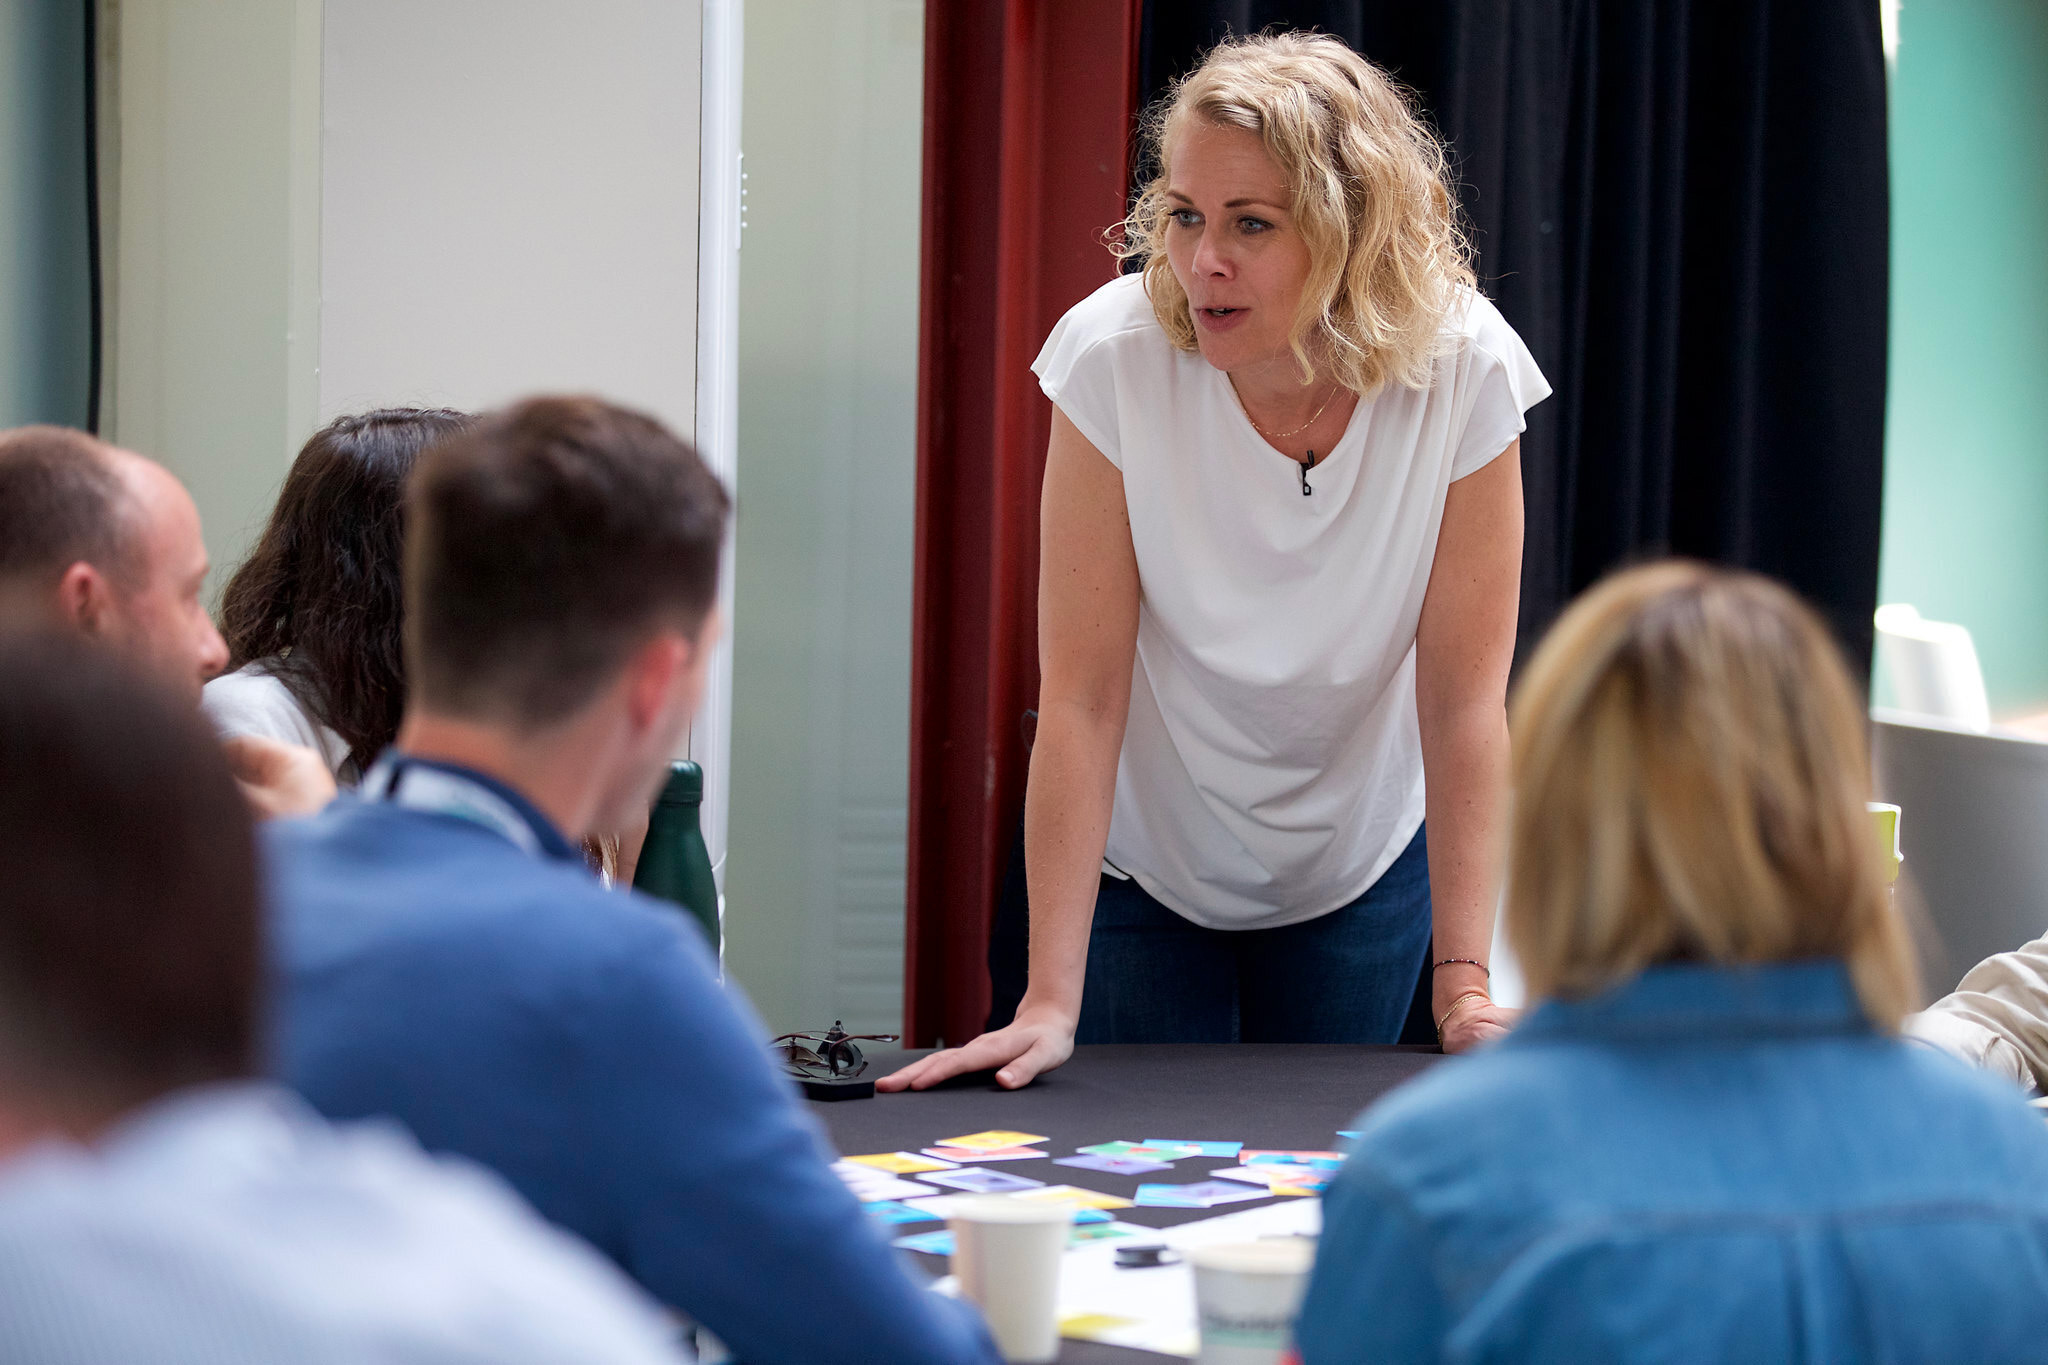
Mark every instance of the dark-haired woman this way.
pixel 312 617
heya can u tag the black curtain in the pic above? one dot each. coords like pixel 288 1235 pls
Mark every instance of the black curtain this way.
pixel 1681 205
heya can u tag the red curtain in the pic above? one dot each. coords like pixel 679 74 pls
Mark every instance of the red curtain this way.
pixel 1029 110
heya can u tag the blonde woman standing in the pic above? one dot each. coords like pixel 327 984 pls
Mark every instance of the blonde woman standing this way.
pixel 1280 568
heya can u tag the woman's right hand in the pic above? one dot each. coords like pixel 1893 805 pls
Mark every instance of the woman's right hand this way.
pixel 1039 1040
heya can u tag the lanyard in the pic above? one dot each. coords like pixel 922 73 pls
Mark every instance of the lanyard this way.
pixel 418 786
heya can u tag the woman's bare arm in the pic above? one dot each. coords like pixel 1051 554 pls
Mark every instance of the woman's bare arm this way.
pixel 1087 640
pixel 1464 645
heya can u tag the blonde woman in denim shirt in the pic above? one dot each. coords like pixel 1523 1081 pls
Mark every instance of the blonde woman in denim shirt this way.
pixel 1708 1142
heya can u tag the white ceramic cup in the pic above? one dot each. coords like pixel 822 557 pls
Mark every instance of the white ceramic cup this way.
pixel 1006 1253
pixel 1246 1298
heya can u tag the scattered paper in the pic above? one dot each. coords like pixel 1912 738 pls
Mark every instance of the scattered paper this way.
pixel 901 1163
pixel 1142 1150
pixel 1202 1195
pixel 939 1243
pixel 1073 1196
pixel 1272 1173
pixel 978 1181
pixel 1114 1165
pixel 889 1211
pixel 1107 1230
pixel 993 1138
pixel 969 1156
pixel 1322 1161
pixel 1203 1147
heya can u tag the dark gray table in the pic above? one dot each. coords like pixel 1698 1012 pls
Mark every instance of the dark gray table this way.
pixel 1264 1095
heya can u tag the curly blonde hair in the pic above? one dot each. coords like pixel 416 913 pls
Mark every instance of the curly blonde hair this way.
pixel 1387 253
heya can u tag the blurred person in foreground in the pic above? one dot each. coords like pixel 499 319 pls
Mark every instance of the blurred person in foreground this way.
pixel 1996 1017
pixel 156 1203
pixel 447 958
pixel 100 541
pixel 1707 1140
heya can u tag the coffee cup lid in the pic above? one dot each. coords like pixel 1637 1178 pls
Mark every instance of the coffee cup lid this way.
pixel 1272 1256
pixel 997 1208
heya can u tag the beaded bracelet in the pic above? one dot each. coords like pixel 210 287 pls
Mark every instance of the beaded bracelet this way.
pixel 1457 1005
pixel 1466 961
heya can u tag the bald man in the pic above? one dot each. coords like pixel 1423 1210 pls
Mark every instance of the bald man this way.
pixel 108 543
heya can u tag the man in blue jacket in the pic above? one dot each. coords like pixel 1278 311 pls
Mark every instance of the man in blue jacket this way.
pixel 447 958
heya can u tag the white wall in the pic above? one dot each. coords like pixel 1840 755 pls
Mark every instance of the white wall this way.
pixel 828 375
pixel 212 246
pixel 509 203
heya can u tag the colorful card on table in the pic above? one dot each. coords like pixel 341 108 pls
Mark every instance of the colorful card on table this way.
pixel 1202 1195
pixel 1269 1173
pixel 993 1139
pixel 1075 1197
pixel 1322 1161
pixel 901 1163
pixel 1144 1151
pixel 1106 1231
pixel 889 1211
pixel 1114 1165
pixel 969 1156
pixel 975 1180
pixel 939 1243
pixel 1296 1189
pixel 1203 1147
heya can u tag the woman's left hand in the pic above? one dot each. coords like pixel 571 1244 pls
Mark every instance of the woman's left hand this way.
pixel 1477 1023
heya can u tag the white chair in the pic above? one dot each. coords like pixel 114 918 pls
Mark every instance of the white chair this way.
pixel 1933 667
pixel 1974 833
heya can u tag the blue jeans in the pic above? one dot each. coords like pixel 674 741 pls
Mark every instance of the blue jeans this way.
pixel 1344 977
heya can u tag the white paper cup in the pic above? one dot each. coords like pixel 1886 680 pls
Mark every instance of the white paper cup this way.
pixel 1246 1298
pixel 1006 1253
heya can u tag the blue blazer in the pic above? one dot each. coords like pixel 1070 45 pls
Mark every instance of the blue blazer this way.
pixel 507 1008
pixel 1702 1164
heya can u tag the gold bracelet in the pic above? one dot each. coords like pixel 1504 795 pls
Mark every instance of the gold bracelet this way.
pixel 1468 995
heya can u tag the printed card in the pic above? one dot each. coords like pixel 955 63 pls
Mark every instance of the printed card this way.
pixel 889 1211
pixel 975 1180
pixel 994 1138
pixel 968 1156
pixel 1114 1165
pixel 901 1163
pixel 1074 1196
pixel 1202 1147
pixel 938 1243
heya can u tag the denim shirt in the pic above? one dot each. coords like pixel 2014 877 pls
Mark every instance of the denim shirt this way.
pixel 1702 1164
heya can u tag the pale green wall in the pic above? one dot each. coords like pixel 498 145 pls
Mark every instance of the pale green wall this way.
pixel 827 465
pixel 1966 446
pixel 44 294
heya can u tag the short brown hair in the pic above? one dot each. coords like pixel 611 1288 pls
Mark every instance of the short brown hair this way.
pixel 130 958
pixel 61 501
pixel 544 545
pixel 1690 784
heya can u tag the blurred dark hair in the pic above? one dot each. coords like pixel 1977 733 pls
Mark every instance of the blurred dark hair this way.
pixel 547 542
pixel 319 599
pixel 61 501
pixel 130 957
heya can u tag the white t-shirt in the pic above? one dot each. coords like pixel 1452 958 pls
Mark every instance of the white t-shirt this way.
pixel 1272 764
pixel 252 701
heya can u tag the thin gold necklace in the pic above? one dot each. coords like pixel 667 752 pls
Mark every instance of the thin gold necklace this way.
pixel 1281 435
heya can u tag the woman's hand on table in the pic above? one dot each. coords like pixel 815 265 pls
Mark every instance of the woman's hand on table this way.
pixel 1477 1023
pixel 1038 1041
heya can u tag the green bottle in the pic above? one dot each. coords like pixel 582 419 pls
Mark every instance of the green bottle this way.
pixel 674 863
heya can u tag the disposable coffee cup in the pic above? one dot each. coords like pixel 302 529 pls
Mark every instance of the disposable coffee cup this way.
pixel 1246 1297
pixel 1006 1254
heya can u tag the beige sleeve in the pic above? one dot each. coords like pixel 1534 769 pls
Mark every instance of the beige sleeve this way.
pixel 1997 1017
